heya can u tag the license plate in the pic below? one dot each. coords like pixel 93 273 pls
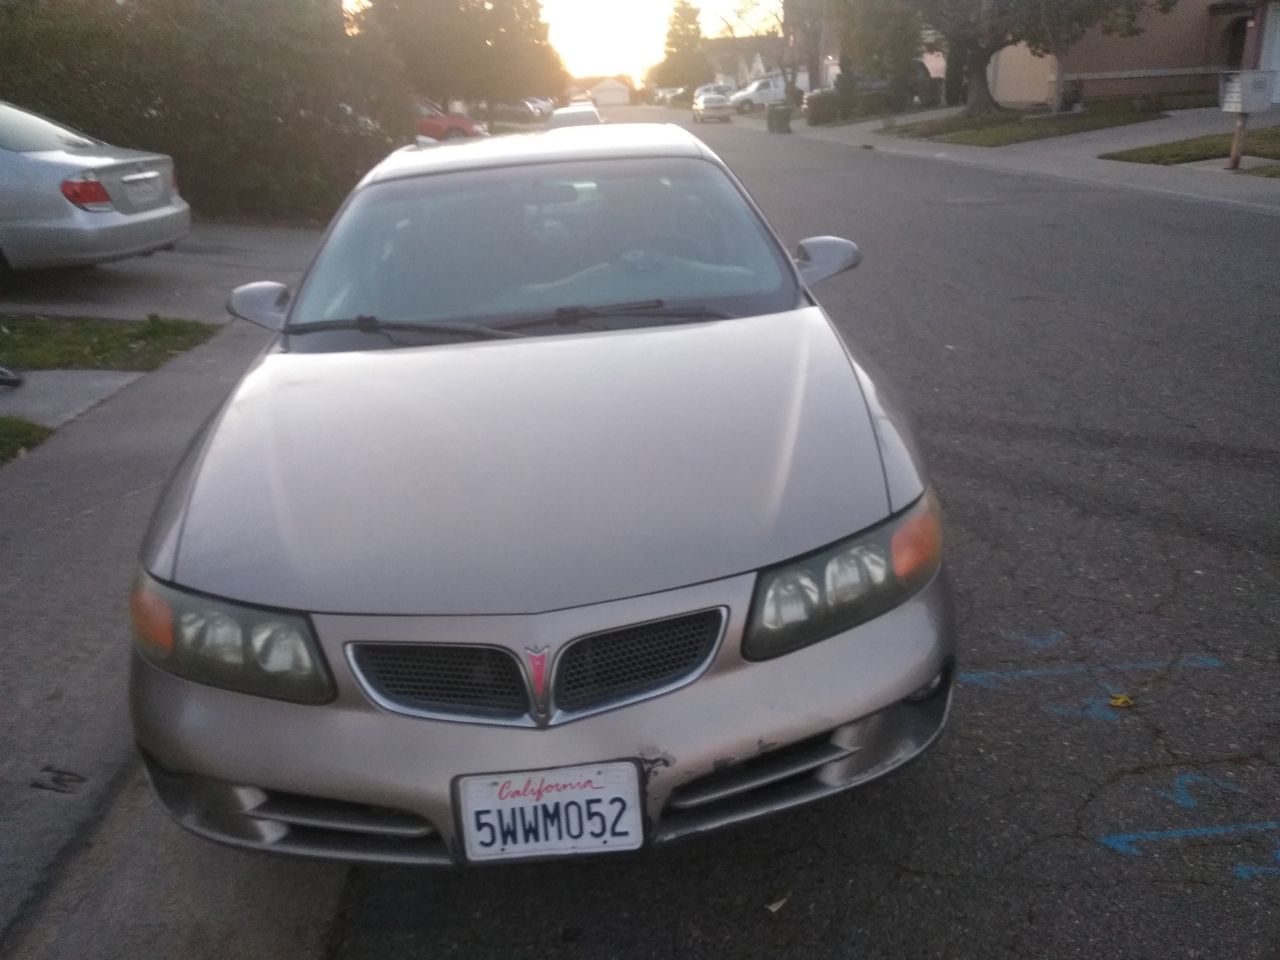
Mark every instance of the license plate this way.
pixel 593 808
pixel 144 191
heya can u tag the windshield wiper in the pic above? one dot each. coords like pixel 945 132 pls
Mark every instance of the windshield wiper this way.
pixel 371 324
pixel 574 316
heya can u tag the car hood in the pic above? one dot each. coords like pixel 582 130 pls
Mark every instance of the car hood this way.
pixel 531 475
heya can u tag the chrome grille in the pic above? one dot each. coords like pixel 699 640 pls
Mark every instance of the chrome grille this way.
pixel 604 668
pixel 434 678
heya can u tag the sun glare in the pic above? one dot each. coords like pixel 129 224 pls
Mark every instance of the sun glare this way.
pixel 613 37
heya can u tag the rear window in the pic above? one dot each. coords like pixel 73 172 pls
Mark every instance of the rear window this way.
pixel 23 132
pixel 490 244
pixel 570 117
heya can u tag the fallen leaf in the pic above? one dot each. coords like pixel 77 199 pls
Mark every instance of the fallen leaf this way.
pixel 1121 700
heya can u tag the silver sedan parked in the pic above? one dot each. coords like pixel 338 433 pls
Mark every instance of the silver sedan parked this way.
pixel 712 106
pixel 558 519
pixel 69 200
pixel 575 115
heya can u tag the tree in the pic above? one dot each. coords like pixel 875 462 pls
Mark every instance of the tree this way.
pixel 519 60
pixel 471 49
pixel 881 38
pixel 268 109
pixel 802 23
pixel 978 29
pixel 685 63
pixel 799 24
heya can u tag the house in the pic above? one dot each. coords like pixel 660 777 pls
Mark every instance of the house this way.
pixel 1179 52
pixel 739 60
pixel 605 91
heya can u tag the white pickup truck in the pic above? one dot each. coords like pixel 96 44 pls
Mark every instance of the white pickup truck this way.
pixel 763 92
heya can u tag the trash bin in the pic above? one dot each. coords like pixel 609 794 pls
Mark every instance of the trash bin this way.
pixel 778 118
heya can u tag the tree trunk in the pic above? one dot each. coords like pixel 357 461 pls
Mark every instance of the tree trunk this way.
pixel 1059 88
pixel 956 53
pixel 980 99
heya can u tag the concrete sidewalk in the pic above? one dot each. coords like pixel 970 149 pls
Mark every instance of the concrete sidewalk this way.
pixel 192 281
pixel 72 513
pixel 54 397
pixel 1076 156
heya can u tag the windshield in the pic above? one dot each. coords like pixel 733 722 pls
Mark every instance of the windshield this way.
pixel 24 132
pixel 492 244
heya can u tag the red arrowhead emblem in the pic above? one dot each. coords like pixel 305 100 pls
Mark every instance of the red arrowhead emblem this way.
pixel 537 658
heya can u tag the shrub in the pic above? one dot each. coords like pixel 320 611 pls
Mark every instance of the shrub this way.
pixel 873 104
pixel 268 109
pixel 822 107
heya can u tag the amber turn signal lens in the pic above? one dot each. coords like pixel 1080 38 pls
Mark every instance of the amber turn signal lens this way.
pixel 917 545
pixel 152 620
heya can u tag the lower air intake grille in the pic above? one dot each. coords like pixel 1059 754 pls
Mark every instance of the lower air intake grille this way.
pixel 623 664
pixel 472 681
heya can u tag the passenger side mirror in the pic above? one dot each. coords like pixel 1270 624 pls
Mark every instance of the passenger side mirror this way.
pixel 263 303
pixel 820 258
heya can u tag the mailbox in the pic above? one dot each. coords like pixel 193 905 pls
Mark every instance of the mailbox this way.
pixel 1246 91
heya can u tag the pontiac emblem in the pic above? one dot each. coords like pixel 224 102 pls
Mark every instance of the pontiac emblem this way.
pixel 537 657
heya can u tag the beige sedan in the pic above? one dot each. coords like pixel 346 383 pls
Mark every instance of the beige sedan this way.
pixel 559 519
pixel 712 106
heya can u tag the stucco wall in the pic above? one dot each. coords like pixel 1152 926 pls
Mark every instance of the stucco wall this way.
pixel 1017 76
pixel 1190 42
pixel 1179 38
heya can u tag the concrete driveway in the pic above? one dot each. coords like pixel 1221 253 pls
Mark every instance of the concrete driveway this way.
pixel 191 281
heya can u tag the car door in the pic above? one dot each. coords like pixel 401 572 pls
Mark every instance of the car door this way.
pixel 430 122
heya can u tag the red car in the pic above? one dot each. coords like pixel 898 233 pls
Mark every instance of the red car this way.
pixel 436 123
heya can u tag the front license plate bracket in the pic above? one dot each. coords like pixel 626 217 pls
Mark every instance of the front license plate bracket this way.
pixel 550 812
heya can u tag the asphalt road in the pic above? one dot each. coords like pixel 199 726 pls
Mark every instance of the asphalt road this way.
pixel 1093 375
pixel 191 281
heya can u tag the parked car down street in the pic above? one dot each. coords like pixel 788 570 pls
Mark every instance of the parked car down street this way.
pixel 67 199
pixel 763 92
pixel 517 111
pixel 575 115
pixel 721 88
pixel 435 123
pixel 711 106
pixel 375 644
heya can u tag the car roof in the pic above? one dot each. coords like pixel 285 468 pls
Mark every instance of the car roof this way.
pixel 596 142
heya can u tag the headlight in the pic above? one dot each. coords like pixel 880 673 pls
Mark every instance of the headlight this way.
pixel 249 649
pixel 818 596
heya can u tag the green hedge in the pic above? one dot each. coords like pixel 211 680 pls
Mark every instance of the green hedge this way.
pixel 268 107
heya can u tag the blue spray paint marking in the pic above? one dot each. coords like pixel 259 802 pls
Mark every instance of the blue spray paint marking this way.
pixel 1181 792
pixel 1040 641
pixel 993 678
pixel 1245 871
pixel 1095 708
pixel 1127 843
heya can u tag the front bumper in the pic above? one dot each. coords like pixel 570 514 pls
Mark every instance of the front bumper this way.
pixel 352 780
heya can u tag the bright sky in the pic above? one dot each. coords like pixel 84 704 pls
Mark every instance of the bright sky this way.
pixel 609 37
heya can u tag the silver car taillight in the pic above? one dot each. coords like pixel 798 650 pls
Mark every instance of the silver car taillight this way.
pixel 87 192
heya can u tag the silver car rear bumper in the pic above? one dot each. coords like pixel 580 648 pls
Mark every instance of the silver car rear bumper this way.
pixel 354 781
pixel 83 237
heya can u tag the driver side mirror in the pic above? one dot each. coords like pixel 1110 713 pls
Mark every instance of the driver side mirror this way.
pixel 820 258
pixel 263 303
